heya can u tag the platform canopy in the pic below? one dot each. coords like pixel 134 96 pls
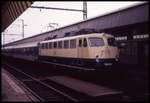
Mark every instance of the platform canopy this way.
pixel 11 10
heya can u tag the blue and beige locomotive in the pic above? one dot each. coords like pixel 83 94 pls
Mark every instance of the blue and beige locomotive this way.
pixel 93 50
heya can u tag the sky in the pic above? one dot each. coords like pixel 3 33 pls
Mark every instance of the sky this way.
pixel 36 21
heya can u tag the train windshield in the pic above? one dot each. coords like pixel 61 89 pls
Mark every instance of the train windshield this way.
pixel 95 41
pixel 111 42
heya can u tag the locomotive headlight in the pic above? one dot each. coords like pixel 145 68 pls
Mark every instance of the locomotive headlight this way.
pixel 97 59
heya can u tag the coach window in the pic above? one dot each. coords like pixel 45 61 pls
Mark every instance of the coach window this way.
pixel 60 44
pixel 24 50
pixel 50 45
pixel 30 49
pixel 85 42
pixel 80 43
pixel 66 43
pixel 43 45
pixel 55 44
pixel 73 43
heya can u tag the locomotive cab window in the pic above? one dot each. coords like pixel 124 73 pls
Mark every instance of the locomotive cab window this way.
pixel 111 42
pixel 96 41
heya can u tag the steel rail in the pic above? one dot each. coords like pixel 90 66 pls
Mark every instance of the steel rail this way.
pixel 48 86
pixel 27 88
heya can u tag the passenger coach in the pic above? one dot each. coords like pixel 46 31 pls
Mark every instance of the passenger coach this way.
pixel 27 51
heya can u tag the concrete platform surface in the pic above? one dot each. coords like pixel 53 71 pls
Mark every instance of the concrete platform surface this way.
pixel 84 87
pixel 12 90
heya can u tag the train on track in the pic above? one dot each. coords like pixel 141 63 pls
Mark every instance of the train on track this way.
pixel 92 50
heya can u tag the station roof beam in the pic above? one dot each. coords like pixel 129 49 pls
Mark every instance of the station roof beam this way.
pixel 11 10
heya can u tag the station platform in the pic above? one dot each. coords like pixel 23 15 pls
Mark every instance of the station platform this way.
pixel 13 91
pixel 87 88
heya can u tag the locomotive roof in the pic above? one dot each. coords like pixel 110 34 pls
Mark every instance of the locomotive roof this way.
pixel 74 37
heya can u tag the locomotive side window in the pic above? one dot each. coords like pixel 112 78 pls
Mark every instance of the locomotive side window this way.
pixel 85 42
pixel 42 46
pixel 55 44
pixel 46 45
pixel 111 42
pixel 50 45
pixel 80 43
pixel 66 43
pixel 60 44
pixel 95 41
pixel 73 43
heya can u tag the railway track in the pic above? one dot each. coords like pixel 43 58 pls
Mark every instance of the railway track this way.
pixel 40 89
pixel 41 76
pixel 46 89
